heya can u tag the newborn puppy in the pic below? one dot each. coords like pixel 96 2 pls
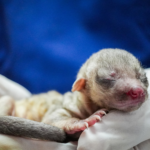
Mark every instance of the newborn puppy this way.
pixel 109 79
pixel 113 79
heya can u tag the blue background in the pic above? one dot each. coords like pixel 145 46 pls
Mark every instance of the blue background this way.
pixel 43 43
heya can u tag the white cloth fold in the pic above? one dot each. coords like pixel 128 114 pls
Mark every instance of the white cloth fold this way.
pixel 13 89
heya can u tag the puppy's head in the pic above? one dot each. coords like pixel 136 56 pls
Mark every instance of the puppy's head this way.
pixel 113 79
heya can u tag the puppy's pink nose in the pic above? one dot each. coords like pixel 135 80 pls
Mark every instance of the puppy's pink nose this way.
pixel 136 93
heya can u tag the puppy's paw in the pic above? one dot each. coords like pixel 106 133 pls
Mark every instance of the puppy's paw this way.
pixel 97 116
pixel 80 125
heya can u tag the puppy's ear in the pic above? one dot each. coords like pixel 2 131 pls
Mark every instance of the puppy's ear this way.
pixel 79 84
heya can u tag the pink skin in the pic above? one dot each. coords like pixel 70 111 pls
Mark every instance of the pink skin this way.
pixel 136 96
pixel 113 74
pixel 81 125
pixel 136 93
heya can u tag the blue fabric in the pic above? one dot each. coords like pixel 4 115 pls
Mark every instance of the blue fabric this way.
pixel 44 42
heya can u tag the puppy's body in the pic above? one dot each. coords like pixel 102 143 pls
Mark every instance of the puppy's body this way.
pixel 109 79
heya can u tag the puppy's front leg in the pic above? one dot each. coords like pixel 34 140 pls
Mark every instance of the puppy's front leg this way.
pixel 63 119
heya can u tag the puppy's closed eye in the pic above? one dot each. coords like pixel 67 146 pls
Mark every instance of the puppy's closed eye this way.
pixel 106 83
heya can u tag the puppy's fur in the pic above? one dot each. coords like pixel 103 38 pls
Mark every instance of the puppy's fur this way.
pixel 109 79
